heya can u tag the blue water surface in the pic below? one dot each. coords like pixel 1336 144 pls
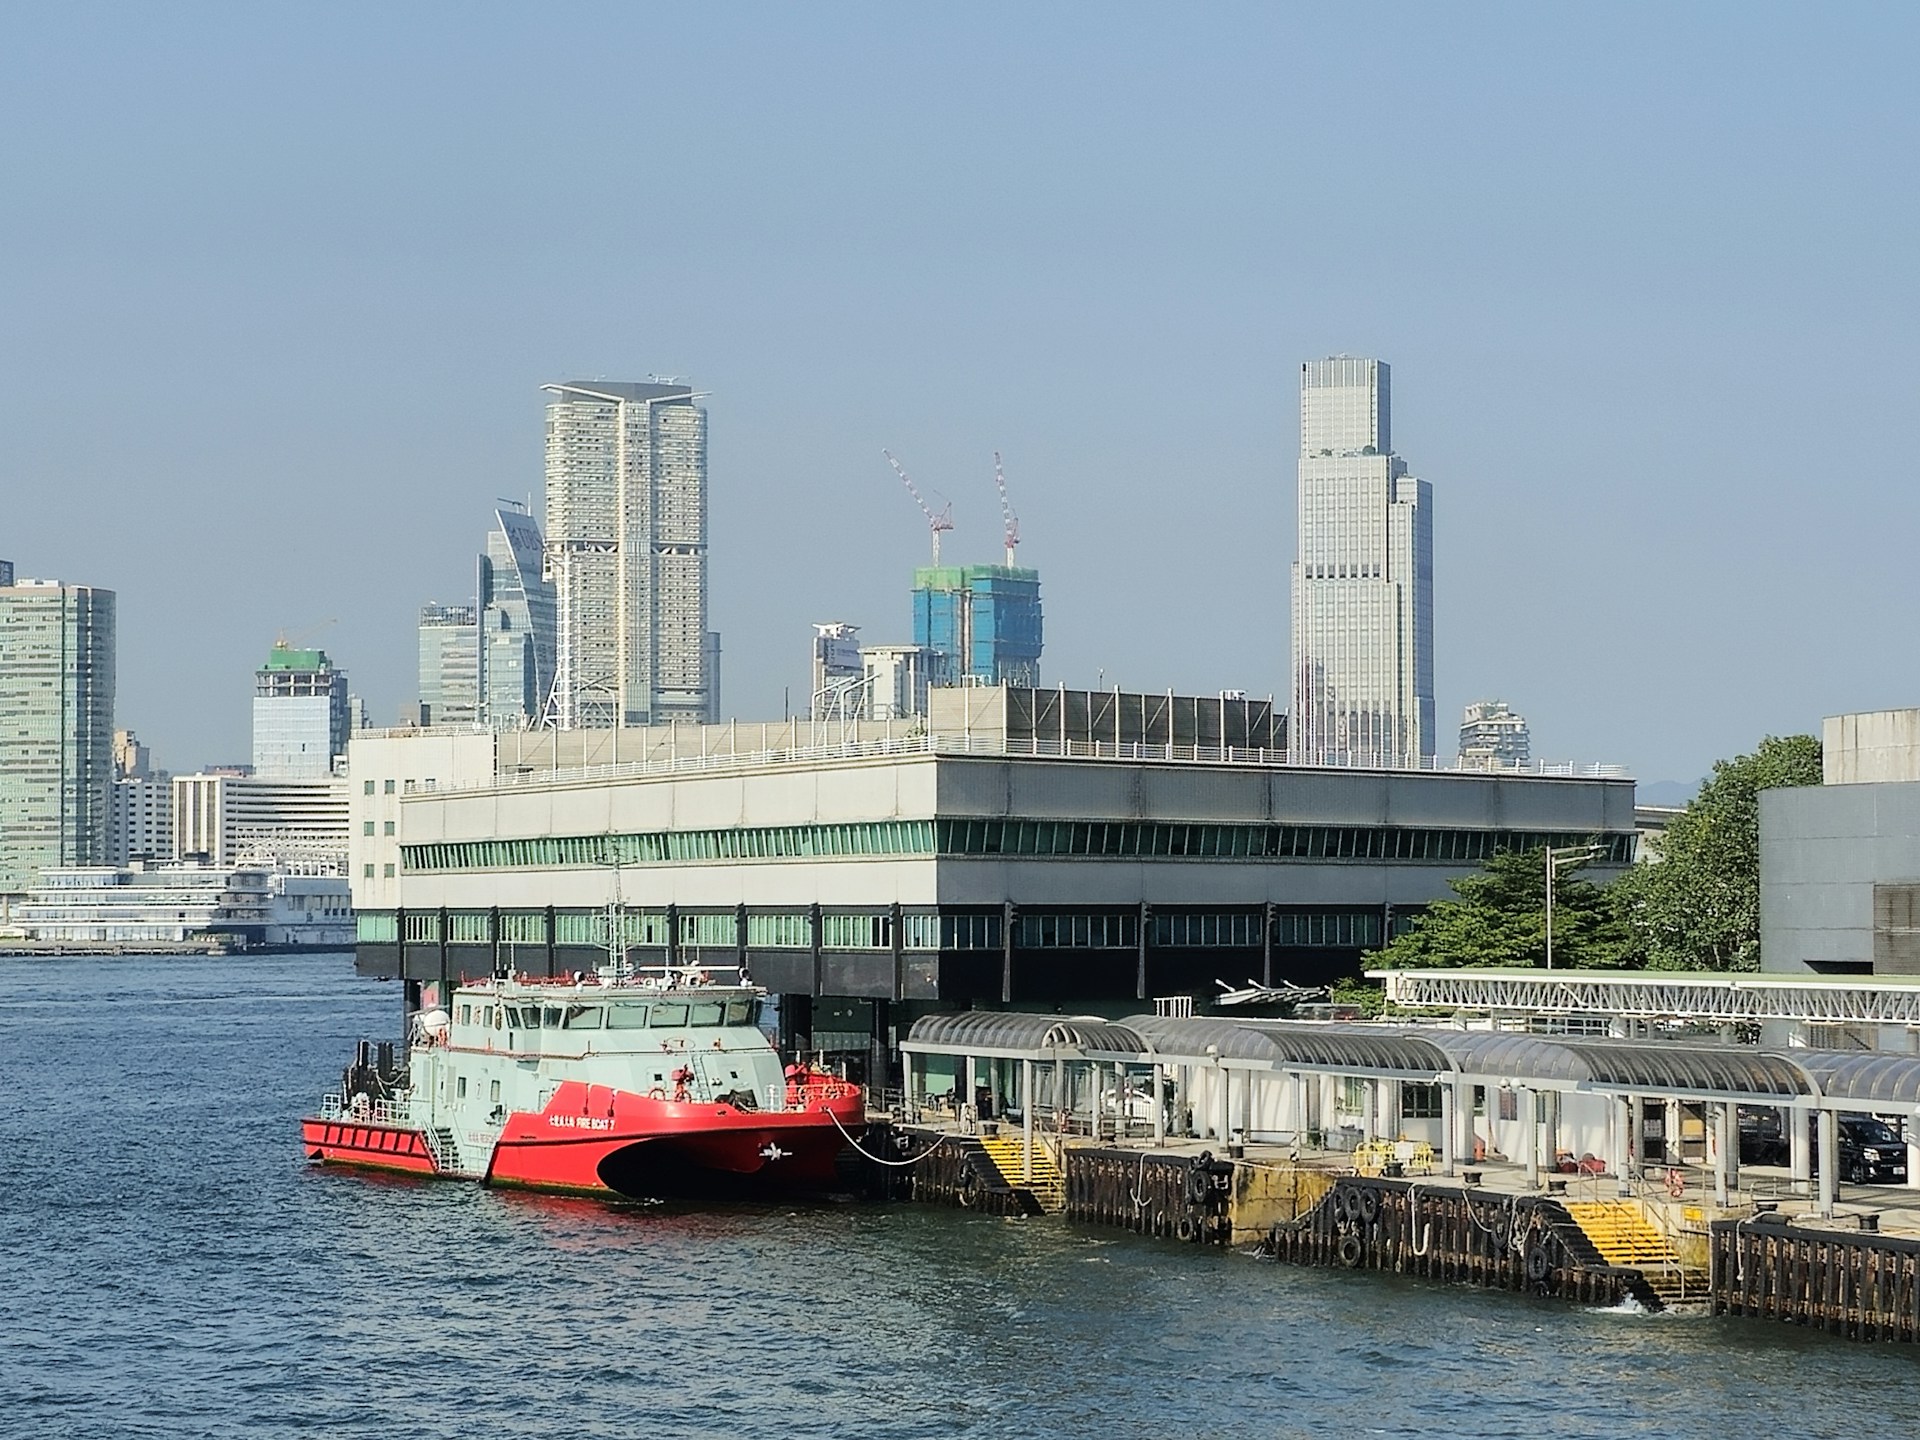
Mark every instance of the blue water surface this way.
pixel 170 1266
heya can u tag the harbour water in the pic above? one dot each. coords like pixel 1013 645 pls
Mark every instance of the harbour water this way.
pixel 170 1266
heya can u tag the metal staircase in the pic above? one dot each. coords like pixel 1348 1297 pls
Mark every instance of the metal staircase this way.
pixel 1009 1155
pixel 1625 1237
pixel 445 1150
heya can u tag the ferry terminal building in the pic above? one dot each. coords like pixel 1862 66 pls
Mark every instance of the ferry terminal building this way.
pixel 1088 860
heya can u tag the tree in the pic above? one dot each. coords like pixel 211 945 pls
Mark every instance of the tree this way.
pixel 1698 906
pixel 1500 919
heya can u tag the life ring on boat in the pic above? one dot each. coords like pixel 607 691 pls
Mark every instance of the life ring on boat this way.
pixel 1352 1252
pixel 1676 1182
pixel 656 1093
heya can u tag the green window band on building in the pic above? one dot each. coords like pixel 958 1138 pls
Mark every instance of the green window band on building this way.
pixel 1035 929
pixel 1039 838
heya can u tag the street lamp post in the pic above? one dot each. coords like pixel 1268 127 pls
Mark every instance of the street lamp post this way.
pixel 1569 855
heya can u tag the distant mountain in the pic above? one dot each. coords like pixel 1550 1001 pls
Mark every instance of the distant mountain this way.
pixel 1666 792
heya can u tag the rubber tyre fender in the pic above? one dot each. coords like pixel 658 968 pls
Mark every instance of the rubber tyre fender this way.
pixel 1347 1205
pixel 966 1188
pixel 1368 1204
pixel 1351 1250
pixel 1539 1262
pixel 1199 1182
pixel 1186 1230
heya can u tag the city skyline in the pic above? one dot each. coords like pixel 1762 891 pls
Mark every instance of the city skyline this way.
pixel 1107 270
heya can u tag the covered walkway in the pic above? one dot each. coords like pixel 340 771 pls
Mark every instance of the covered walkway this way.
pixel 1537 1099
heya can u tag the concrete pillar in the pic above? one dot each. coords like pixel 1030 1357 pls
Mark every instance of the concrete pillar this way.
pixel 1246 1106
pixel 1530 1129
pixel 1462 1128
pixel 1799 1152
pixel 1182 1098
pixel 1026 1120
pixel 997 1088
pixel 1224 1114
pixel 1620 1142
pixel 1159 1106
pixel 1449 1138
pixel 1913 1151
pixel 1119 1092
pixel 1723 1141
pixel 1829 1163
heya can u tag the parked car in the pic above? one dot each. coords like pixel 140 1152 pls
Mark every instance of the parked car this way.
pixel 1870 1151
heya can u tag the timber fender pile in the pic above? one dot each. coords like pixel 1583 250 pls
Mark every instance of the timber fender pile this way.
pixel 955 1170
pixel 1519 1243
pixel 1860 1286
pixel 1170 1197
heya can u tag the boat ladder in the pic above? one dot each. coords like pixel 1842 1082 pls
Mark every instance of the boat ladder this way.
pixel 444 1147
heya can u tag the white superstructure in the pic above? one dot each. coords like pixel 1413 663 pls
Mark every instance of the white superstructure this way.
pixel 1363 582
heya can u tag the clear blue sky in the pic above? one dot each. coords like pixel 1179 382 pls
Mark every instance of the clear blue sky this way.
pixel 279 285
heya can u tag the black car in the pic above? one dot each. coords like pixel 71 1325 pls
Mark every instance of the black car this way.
pixel 1870 1152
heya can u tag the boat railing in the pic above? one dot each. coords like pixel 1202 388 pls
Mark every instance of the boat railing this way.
pixel 364 1108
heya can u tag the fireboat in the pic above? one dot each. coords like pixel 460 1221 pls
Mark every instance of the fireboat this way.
pixel 643 1083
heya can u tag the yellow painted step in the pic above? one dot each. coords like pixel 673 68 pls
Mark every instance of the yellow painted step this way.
pixel 1009 1156
pixel 1624 1236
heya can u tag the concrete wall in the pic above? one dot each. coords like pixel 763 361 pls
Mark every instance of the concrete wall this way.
pixel 1875 746
pixel 1822 850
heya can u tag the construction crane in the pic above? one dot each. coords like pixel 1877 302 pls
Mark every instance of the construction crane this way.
pixel 943 520
pixel 285 641
pixel 1011 520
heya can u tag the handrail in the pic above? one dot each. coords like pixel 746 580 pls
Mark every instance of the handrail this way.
pixel 1000 746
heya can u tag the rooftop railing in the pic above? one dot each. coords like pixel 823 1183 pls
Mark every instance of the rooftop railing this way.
pixel 997 746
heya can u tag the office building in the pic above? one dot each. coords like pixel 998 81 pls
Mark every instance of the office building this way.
pixel 1363 581
pixel 1492 734
pixel 981 623
pixel 56 727
pixel 297 825
pixel 140 805
pixel 838 677
pixel 516 616
pixel 300 714
pixel 895 680
pixel 933 867
pixel 449 665
pixel 626 548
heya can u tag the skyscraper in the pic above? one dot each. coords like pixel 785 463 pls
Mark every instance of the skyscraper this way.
pixel 1363 582
pixel 300 718
pixel 626 550
pixel 516 624
pixel 981 623
pixel 449 665
pixel 56 727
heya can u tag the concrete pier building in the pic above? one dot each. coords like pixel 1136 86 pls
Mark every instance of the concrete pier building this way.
pixel 899 870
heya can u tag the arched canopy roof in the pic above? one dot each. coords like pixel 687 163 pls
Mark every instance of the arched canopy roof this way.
pixel 1344 1049
pixel 1868 1076
pixel 1015 1033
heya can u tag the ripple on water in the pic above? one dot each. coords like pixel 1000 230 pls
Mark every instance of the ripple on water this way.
pixel 171 1268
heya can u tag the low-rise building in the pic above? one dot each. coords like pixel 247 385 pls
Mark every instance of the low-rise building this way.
pixel 243 907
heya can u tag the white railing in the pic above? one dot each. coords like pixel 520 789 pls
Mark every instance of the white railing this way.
pixel 373 1112
pixel 999 746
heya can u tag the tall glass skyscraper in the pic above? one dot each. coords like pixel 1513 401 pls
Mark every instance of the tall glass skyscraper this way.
pixel 56 727
pixel 627 554
pixel 516 624
pixel 449 665
pixel 1363 582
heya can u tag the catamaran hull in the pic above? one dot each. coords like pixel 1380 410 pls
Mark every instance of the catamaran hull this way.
pixel 597 1141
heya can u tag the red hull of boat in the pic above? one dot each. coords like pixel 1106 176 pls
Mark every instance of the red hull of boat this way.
pixel 374 1147
pixel 600 1141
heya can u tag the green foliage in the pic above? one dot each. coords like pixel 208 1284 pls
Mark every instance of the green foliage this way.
pixel 1500 919
pixel 1698 906
pixel 1364 995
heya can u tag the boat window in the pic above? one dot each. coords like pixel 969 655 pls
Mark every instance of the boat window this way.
pixel 460 1087
pixel 626 1017
pixel 669 1016
pixel 493 1091
pixel 707 1013
pixel 466 1014
pixel 739 1012
pixel 494 1016
pixel 584 1017
pixel 553 1017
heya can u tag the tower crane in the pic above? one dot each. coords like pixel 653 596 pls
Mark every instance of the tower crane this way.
pixel 936 522
pixel 1009 519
